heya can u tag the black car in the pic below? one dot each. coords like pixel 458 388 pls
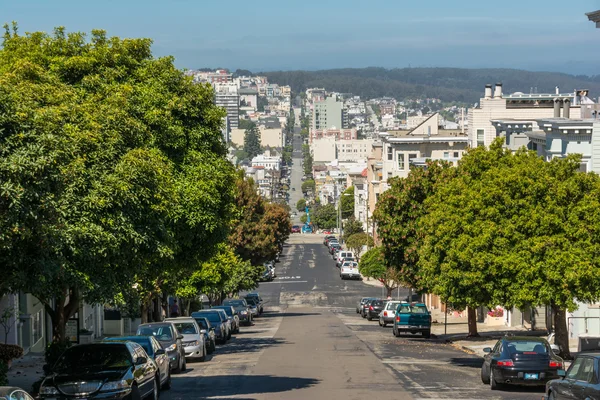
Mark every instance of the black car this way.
pixel 214 317
pixel 257 299
pixel 519 360
pixel 242 309
pixel 102 371
pixel 374 308
pixel 581 380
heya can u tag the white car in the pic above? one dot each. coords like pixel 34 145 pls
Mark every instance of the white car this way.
pixel 341 255
pixel 387 315
pixel 193 341
pixel 349 270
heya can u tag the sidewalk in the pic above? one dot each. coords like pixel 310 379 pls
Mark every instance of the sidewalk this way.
pixel 25 371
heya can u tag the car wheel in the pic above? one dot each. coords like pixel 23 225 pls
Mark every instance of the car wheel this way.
pixel 369 318
pixel 380 323
pixel 396 332
pixel 485 377
pixel 167 384
pixel 551 396
pixel 493 384
pixel 427 334
pixel 179 367
pixel 384 324
pixel 135 393
pixel 184 366
pixel 203 358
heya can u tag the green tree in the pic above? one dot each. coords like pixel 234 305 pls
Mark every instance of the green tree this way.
pixel 252 145
pixel 262 102
pixel 351 227
pixel 373 265
pixel 308 185
pixel 325 217
pixel 112 168
pixel 347 201
pixel 301 205
pixel 246 124
pixel 357 241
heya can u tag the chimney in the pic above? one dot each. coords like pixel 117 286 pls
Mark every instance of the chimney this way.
pixel 488 91
pixel 498 91
pixel 566 108
pixel 556 108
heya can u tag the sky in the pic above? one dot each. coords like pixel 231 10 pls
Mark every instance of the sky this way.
pixel 266 35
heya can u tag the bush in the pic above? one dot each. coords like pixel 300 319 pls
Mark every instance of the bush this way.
pixel 9 352
pixel 3 373
pixel 54 350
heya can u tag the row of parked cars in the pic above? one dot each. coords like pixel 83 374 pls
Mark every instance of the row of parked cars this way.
pixel 344 259
pixel 405 317
pixel 140 366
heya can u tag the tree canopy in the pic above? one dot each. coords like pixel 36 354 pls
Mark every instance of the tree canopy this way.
pixel 357 241
pixel 301 205
pixel 325 217
pixel 373 265
pixel 347 201
pixel 252 141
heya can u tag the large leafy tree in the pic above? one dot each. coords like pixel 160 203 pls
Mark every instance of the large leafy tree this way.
pixel 325 217
pixel 357 241
pixel 252 141
pixel 111 168
pixel 301 205
pixel 347 201
pixel 308 185
pixel 351 227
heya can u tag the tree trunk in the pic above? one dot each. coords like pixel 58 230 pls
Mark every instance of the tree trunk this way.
pixel 156 314
pixel 62 312
pixel 389 290
pixel 144 312
pixel 472 317
pixel 561 335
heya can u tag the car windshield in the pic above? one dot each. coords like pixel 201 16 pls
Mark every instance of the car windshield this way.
pixel 391 305
pixel 377 303
pixel 407 308
pixel 526 347
pixel 201 323
pixel 212 316
pixel 161 332
pixel 186 328
pixel 141 340
pixel 226 309
pixel 351 265
pixel 251 301
pixel 93 358
pixel 235 303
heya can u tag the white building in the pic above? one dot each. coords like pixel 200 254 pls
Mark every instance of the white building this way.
pixel 267 162
pixel 327 114
pixel 328 149
pixel 226 96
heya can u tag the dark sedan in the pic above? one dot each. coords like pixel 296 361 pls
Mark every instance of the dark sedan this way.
pixel 102 371
pixel 156 352
pixel 518 360
pixel 375 307
pixel 581 381
pixel 232 316
pixel 365 307
pixel 209 333
pixel 333 247
pixel 242 309
pixel 214 317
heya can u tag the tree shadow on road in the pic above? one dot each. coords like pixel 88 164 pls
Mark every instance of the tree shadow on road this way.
pixel 207 387
pixel 247 345
pixel 471 362
pixel 271 314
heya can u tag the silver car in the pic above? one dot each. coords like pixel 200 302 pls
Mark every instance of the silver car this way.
pixel 194 344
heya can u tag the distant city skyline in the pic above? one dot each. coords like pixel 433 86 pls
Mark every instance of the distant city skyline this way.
pixel 266 35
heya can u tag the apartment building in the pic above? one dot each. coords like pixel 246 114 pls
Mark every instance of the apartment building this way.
pixel 338 134
pixel 357 177
pixel 328 149
pixel 227 96
pixel 526 108
pixel 248 97
pixel 269 137
pixel 269 163
pixel 327 114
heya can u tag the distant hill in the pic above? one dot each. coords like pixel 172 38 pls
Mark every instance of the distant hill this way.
pixel 447 84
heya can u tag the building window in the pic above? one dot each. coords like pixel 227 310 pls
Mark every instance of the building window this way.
pixel 410 158
pixel 400 161
pixel 583 167
pixel 446 154
pixel 390 153
pixel 480 139
pixel 456 154
pixel 36 327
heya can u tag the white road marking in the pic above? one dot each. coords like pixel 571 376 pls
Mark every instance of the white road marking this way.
pixel 264 283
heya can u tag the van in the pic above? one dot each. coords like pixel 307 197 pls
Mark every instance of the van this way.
pixel 342 255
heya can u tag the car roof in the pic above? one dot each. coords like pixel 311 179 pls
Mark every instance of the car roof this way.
pixel 179 319
pixel 163 323
pixel 127 338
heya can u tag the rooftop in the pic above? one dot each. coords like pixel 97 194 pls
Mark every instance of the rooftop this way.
pixel 594 16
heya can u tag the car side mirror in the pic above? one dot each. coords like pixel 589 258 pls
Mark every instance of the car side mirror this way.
pixel 203 331
pixel 561 372
pixel 159 352
pixel 141 360
pixel 487 349
pixel 180 337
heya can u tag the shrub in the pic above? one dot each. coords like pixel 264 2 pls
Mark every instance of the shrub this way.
pixel 9 352
pixel 54 350
pixel 3 373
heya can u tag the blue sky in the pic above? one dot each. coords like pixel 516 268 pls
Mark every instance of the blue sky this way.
pixel 548 35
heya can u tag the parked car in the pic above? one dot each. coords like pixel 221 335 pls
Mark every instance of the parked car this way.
pixel 365 307
pixel 580 381
pixel 216 321
pixel 296 229
pixel 519 360
pixel 334 246
pixel 361 304
pixel 242 309
pixel 252 307
pixel 327 238
pixel 388 314
pixel 347 260
pixel 193 341
pixel 342 255
pixel 209 334
pixel 226 321
pixel 414 318
pixel 267 275
pixel 170 339
pixel 375 307
pixel 232 315
pixel 349 270
pixel 102 371
pixel 13 393
pixel 154 349
pixel 259 299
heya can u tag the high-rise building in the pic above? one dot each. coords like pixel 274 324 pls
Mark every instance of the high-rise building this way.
pixel 227 96
pixel 327 114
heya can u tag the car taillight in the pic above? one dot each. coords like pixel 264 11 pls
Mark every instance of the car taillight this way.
pixel 505 363
pixel 555 364
pixel 385 313
pixel 398 318
pixel 371 308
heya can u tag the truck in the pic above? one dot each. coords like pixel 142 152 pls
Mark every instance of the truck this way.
pixel 414 318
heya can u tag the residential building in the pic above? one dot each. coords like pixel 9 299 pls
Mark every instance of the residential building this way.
pixel 269 137
pixel 339 134
pixel 328 149
pixel 267 162
pixel 404 149
pixel 227 96
pixel 248 97
pixel 357 177
pixel 285 91
pixel 213 77
pixel 374 181
pixel 519 106
pixel 327 114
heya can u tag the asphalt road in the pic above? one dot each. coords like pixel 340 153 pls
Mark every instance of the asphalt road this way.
pixel 311 344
